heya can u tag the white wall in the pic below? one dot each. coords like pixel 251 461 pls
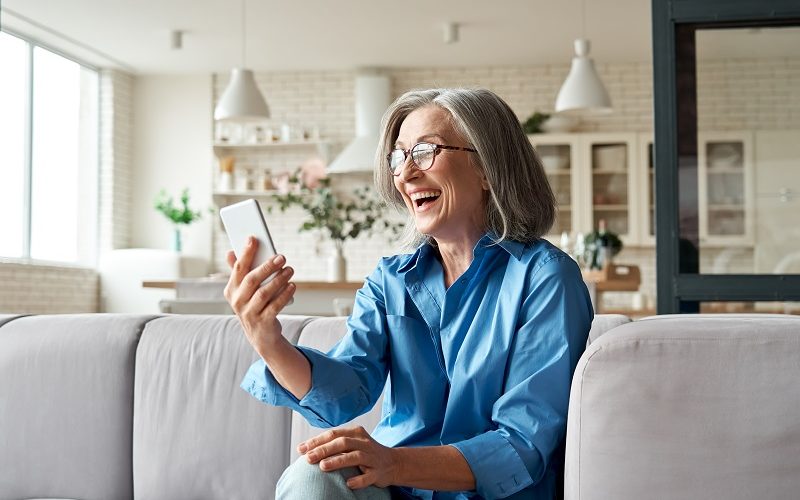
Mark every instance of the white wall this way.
pixel 171 149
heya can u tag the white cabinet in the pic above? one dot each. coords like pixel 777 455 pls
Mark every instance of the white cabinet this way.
pixel 561 159
pixel 611 176
pixel 594 177
pixel 725 188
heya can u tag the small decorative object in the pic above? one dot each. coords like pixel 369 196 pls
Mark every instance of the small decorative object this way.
pixel 182 215
pixel 600 247
pixel 225 182
pixel 337 216
pixel 286 133
pixel 533 125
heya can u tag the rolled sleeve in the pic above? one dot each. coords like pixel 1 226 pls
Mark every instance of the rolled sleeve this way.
pixel 498 469
pixel 346 381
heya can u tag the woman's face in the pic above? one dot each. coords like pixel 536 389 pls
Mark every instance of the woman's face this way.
pixel 447 201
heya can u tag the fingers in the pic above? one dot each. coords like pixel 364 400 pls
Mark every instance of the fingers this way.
pixel 253 297
pixel 263 299
pixel 241 267
pixel 230 258
pixel 323 452
pixel 358 482
pixel 351 459
pixel 328 436
pixel 276 305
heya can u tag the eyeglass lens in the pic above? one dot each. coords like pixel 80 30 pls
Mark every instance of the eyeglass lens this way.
pixel 422 154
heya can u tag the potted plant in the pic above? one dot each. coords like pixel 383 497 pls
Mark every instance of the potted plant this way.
pixel 337 216
pixel 178 215
pixel 601 246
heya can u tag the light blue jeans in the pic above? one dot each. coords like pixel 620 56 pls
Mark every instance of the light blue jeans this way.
pixel 305 481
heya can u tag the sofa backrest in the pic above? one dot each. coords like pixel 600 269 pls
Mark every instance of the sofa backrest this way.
pixel 66 394
pixel 323 333
pixel 195 433
pixel 692 406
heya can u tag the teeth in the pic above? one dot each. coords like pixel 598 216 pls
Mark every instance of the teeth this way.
pixel 423 194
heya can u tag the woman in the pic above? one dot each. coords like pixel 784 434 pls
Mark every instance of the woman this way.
pixel 479 329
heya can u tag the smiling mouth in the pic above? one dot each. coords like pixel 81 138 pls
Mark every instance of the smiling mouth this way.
pixel 424 198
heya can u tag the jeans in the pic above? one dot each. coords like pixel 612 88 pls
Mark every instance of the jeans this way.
pixel 304 481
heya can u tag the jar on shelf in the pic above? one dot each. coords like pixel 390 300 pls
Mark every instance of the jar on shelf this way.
pixel 244 180
pixel 265 180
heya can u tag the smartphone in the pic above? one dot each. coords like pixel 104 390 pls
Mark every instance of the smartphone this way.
pixel 245 219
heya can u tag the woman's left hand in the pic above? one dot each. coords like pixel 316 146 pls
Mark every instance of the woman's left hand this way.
pixel 353 447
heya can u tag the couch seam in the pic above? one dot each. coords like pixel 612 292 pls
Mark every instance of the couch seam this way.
pixel 580 419
pixel 138 338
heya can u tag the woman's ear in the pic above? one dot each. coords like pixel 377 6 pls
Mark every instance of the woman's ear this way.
pixel 484 182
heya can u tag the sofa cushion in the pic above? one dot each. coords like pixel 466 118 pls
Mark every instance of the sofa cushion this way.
pixel 687 407
pixel 66 394
pixel 196 434
pixel 5 318
pixel 603 323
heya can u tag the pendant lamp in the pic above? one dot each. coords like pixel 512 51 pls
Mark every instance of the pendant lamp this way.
pixel 583 92
pixel 241 101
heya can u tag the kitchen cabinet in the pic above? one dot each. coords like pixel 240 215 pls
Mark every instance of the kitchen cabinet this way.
pixel 611 176
pixel 594 177
pixel 726 188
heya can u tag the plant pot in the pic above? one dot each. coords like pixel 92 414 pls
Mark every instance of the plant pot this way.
pixel 337 265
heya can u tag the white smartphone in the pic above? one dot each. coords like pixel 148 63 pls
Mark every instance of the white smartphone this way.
pixel 245 219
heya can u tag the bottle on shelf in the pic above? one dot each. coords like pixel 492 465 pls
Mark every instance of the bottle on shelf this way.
pixel 604 244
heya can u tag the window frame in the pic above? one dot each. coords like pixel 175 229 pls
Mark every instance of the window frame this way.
pixel 679 284
pixel 26 258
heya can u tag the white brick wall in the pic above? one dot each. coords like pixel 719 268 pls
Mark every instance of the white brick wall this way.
pixel 47 289
pixel 731 96
pixel 115 158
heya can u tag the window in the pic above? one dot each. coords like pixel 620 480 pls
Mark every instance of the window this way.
pixel 48 155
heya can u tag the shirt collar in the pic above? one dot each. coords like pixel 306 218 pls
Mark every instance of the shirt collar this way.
pixel 426 250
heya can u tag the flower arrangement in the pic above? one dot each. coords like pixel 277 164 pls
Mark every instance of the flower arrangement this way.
pixel 328 212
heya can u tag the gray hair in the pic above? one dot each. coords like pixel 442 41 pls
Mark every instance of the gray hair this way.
pixel 521 205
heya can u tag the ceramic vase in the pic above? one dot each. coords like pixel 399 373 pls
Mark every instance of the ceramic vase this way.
pixel 337 265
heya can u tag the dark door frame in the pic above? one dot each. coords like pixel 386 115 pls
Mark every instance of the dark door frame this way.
pixel 679 285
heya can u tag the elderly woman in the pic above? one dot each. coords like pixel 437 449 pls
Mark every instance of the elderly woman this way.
pixel 478 330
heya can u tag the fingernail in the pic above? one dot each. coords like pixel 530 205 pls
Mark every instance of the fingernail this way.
pixel 278 259
pixel 302 448
pixel 251 240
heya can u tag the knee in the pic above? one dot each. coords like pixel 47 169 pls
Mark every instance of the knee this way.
pixel 306 481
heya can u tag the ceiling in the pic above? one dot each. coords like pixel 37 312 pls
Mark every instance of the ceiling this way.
pixel 344 34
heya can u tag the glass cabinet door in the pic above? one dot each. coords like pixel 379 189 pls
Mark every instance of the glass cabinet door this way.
pixel 558 167
pixel 558 156
pixel 724 183
pixel 612 182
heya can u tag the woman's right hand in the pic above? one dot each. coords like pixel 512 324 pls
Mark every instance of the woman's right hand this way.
pixel 257 307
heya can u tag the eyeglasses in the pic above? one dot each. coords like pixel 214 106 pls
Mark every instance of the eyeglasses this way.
pixel 422 154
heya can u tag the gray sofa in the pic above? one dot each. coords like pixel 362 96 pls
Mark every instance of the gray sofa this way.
pixel 109 406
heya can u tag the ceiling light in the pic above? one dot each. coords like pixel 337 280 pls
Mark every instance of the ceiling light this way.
pixel 583 92
pixel 241 101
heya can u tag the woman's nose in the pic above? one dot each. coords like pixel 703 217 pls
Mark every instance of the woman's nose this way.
pixel 409 171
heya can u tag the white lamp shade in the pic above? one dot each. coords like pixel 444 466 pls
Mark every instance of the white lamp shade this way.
pixel 241 101
pixel 583 91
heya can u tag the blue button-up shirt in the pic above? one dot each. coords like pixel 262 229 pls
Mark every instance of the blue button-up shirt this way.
pixel 484 365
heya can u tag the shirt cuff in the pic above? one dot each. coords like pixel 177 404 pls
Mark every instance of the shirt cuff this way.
pixel 498 469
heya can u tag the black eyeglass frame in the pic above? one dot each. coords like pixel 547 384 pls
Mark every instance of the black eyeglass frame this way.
pixel 410 151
